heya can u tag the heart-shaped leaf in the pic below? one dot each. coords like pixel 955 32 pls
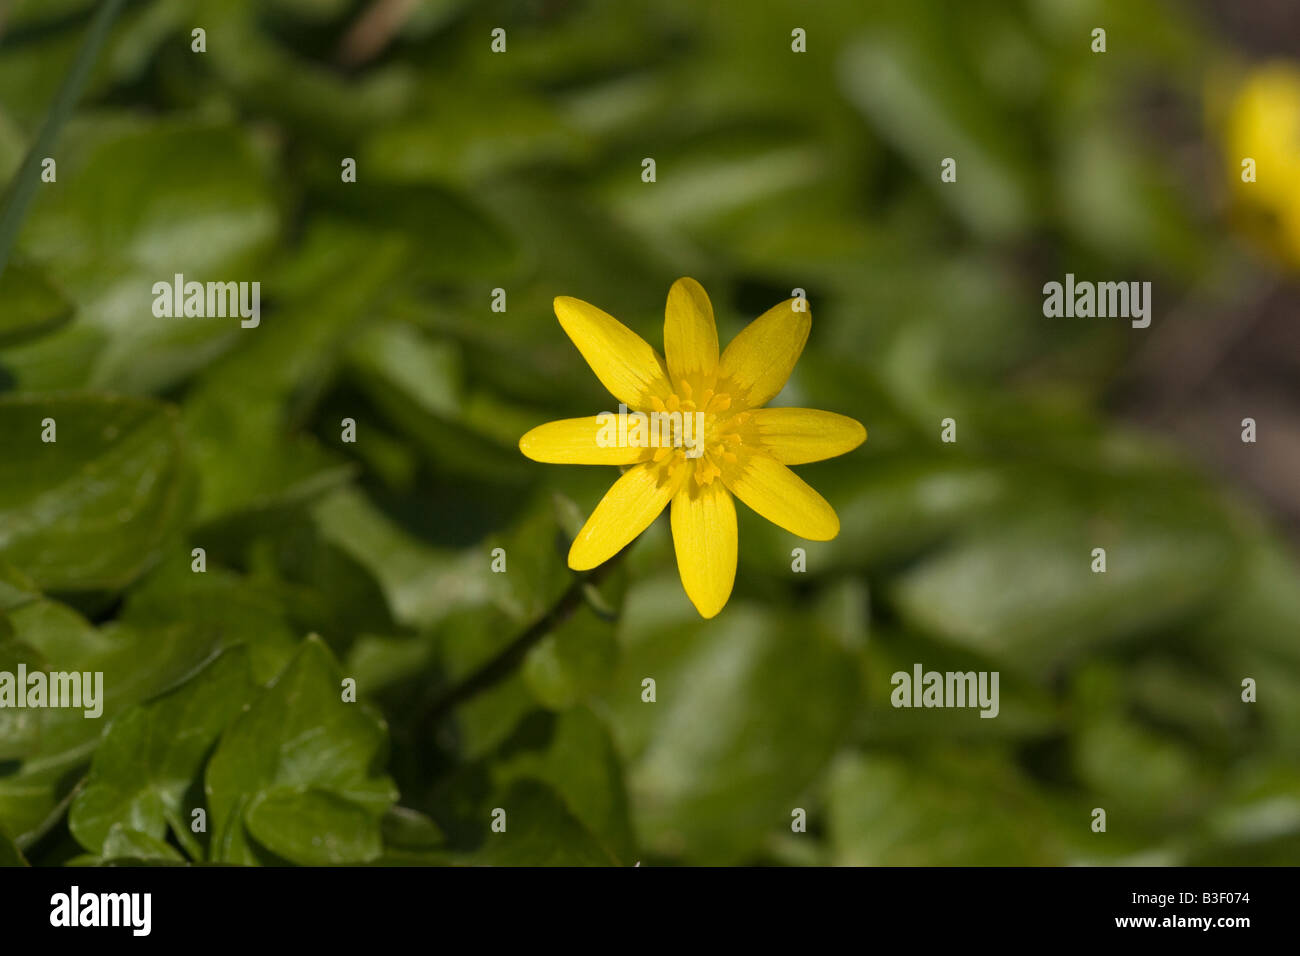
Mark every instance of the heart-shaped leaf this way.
pixel 90 487
pixel 300 747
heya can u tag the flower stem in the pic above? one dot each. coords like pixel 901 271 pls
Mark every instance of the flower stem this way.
pixel 504 663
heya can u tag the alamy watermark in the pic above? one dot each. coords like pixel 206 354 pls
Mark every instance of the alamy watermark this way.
pixel 75 908
pixel 652 430
pixel 64 689
pixel 946 689
pixel 1126 300
pixel 211 300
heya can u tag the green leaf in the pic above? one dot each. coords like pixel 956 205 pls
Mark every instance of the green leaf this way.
pixel 459 238
pixel 409 833
pixel 313 827
pixel 951 809
pixel 577 759
pixel 92 509
pixel 422 583
pixel 416 382
pixel 379 662
pixel 1023 708
pixel 468 640
pixel 711 180
pixel 427 372
pixel 137 661
pixel 1024 592
pixel 10 855
pixel 1258 824
pixel 59 638
pixel 482 132
pixel 256 399
pixel 1262 611
pixel 219 609
pixel 540 831
pixel 299 736
pixel 32 799
pixel 19 728
pixel 137 203
pixel 749 707
pixel 1139 771
pixel 269 77
pixel 32 307
pixel 917 95
pixel 16 588
pixel 536 567
pixel 574 661
pixel 897 509
pixel 1122 204
pixel 124 843
pixel 153 753
pixel 319 586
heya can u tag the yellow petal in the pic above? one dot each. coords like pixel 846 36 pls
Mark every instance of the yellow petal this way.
pixel 781 496
pixel 622 360
pixel 578 441
pixel 690 335
pixel 628 508
pixel 758 361
pixel 795 436
pixel 704 536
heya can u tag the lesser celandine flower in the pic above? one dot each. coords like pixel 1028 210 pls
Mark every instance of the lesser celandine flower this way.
pixel 742 449
pixel 1264 125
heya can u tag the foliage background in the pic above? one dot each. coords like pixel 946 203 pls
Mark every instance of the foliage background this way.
pixel 522 171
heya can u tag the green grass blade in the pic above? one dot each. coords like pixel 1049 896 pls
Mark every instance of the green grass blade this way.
pixel 25 181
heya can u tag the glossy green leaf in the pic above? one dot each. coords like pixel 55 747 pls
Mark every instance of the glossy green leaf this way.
pixel 152 754
pixel 220 609
pixel 19 729
pixel 91 509
pixel 313 827
pixel 122 842
pixel 748 708
pixel 422 583
pixel 138 203
pixel 135 661
pixel 299 736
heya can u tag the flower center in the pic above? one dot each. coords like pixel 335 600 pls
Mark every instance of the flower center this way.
pixel 705 448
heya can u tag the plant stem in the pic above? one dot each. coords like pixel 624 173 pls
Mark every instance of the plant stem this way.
pixel 503 664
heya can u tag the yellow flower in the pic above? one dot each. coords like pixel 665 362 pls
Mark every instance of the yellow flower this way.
pixel 1264 125
pixel 741 449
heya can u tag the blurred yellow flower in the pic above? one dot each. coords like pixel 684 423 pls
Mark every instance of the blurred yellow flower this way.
pixel 739 448
pixel 1263 125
